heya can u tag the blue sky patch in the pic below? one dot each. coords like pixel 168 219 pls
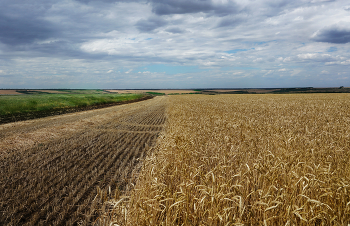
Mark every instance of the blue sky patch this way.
pixel 236 50
pixel 332 49
pixel 260 43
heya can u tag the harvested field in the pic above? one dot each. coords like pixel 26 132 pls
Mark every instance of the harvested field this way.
pixel 257 91
pixel 247 160
pixel 51 168
pixel 8 92
pixel 165 91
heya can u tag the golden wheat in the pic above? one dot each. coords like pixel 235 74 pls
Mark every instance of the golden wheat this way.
pixel 247 160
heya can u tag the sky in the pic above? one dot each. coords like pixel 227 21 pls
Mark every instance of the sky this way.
pixel 174 44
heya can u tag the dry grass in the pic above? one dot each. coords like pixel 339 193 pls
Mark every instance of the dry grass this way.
pixel 247 160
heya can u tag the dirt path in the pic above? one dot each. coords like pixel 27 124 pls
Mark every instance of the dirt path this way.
pixel 50 167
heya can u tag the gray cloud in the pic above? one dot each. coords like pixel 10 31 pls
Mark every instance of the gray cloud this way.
pixel 333 34
pixel 22 30
pixel 22 23
pixel 230 21
pixel 61 48
pixel 166 7
pixel 175 30
pixel 150 24
pixel 108 1
pixel 278 3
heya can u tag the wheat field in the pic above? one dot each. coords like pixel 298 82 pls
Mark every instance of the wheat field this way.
pixel 246 160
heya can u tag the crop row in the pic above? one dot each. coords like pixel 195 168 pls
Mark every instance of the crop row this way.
pixel 55 183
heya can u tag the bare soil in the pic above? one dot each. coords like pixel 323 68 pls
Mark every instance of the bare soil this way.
pixel 51 167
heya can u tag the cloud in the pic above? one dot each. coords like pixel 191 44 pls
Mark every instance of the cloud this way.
pixel 175 30
pixel 258 60
pixel 230 21
pixel 219 8
pixel 108 1
pixel 321 1
pixel 23 30
pixel 150 24
pixel 295 72
pixel 333 34
pixel 267 72
pixel 278 3
pixel 85 39
pixel 287 59
pixel 345 62
pixel 315 57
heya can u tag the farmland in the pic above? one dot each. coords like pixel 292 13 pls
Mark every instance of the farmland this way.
pixel 164 91
pixel 51 168
pixel 34 104
pixel 246 160
pixel 224 159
